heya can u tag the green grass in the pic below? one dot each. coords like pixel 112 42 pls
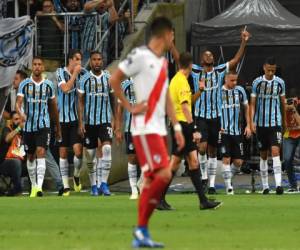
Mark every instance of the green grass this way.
pixel 86 223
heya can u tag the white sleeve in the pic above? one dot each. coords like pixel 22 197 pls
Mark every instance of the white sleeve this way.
pixel 132 64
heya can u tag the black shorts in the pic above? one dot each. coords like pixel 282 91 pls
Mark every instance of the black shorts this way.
pixel 190 145
pixel 268 137
pixel 69 133
pixel 102 132
pixel 129 143
pixel 232 146
pixel 32 140
pixel 209 129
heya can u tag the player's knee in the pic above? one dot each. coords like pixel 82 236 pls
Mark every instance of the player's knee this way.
pixel 78 151
pixel 132 159
pixel 238 163
pixel 165 174
pixel 40 152
pixel 226 160
pixel 193 164
pixel 106 152
pixel 275 151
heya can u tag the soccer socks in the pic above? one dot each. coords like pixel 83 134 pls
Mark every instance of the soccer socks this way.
pixel 212 171
pixel 149 199
pixel 41 169
pixel 91 165
pixel 77 166
pixel 31 167
pixel 227 175
pixel 195 176
pixel 263 166
pixel 132 175
pixel 99 171
pixel 203 165
pixel 64 170
pixel 106 162
pixel 277 170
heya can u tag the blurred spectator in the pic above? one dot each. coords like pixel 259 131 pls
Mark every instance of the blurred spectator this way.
pixel 11 153
pixel 50 30
pixel 291 140
pixel 11 99
pixel 107 15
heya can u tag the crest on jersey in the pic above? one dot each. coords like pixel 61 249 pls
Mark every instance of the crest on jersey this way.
pixel 157 158
pixel 87 141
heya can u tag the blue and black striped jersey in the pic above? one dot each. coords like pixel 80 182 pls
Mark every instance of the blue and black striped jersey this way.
pixel 232 99
pixel 127 87
pixel 268 103
pixel 208 106
pixel 36 97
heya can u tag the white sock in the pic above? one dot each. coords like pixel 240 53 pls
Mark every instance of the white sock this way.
pixel 77 166
pixel 99 171
pixel 64 170
pixel 132 175
pixel 106 162
pixel 91 165
pixel 41 169
pixel 31 167
pixel 212 171
pixel 263 166
pixel 277 170
pixel 227 175
pixel 203 165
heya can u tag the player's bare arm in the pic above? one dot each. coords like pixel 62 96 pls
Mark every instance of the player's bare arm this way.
pixel 53 111
pixel 252 112
pixel 119 123
pixel 245 35
pixel 199 92
pixel 247 132
pixel 80 114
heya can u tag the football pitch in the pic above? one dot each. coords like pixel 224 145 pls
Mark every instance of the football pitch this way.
pixel 81 222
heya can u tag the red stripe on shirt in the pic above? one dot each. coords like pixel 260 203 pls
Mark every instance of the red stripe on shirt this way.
pixel 156 91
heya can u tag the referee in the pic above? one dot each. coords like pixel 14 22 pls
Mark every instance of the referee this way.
pixel 180 93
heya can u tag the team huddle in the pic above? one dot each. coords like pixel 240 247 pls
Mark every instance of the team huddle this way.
pixel 203 102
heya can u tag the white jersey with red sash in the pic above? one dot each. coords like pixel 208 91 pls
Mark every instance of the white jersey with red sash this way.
pixel 150 77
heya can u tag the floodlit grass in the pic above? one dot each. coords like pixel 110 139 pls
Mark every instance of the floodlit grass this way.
pixel 81 222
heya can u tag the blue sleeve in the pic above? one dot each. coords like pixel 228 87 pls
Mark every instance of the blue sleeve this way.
pixel 21 91
pixel 282 87
pixel 243 95
pixel 254 87
pixel 60 76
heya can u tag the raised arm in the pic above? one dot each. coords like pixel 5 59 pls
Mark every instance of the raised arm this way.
pixel 113 14
pixel 245 35
pixel 67 86
pixel 91 5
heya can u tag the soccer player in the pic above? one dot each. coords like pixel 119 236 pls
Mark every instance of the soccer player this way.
pixel 95 122
pixel 68 82
pixel 127 87
pixel 182 98
pixel 148 69
pixel 268 121
pixel 233 97
pixel 208 108
pixel 39 101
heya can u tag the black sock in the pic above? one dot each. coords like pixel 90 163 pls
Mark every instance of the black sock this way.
pixel 163 197
pixel 195 176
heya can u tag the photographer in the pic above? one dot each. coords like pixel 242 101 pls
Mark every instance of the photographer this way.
pixel 291 140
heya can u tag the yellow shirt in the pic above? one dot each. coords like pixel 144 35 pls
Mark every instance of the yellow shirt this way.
pixel 180 92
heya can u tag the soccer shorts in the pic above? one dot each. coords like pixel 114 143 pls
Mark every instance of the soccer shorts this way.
pixel 152 153
pixel 209 129
pixel 70 135
pixel 32 140
pixel 268 137
pixel 190 145
pixel 232 146
pixel 102 132
pixel 129 143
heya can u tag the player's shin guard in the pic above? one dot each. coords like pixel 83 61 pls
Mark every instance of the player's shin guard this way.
pixel 149 199
pixel 277 170
pixel 195 176
pixel 203 165
pixel 263 166
pixel 31 167
pixel 41 169
pixel 227 175
pixel 77 166
pixel 106 162
pixel 91 164
pixel 99 171
pixel 132 175
pixel 64 170
pixel 212 171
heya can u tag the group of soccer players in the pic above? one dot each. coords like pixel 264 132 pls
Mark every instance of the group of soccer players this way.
pixel 90 110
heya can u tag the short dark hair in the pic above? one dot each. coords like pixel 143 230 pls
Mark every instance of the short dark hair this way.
pixel 185 59
pixel 22 73
pixel 270 61
pixel 231 72
pixel 72 53
pixel 160 25
pixel 37 58
pixel 12 113
pixel 95 52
